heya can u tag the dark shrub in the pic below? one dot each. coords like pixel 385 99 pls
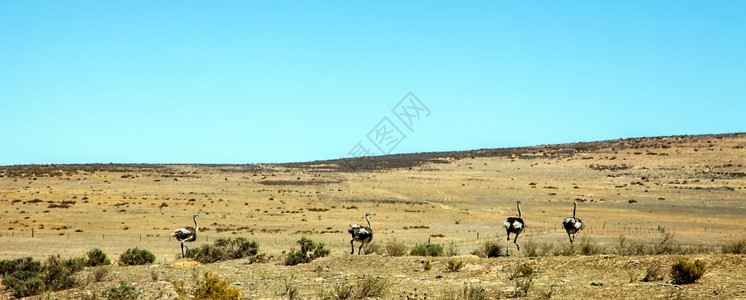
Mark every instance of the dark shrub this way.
pixel 136 256
pixel 124 291
pixel 25 283
pixel 489 249
pixel 96 257
pixel 225 249
pixel 307 253
pixel 427 250
pixel 684 272
pixel 59 273
pixel 9 266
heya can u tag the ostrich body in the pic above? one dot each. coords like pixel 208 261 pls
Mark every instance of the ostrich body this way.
pixel 361 234
pixel 572 225
pixel 186 234
pixel 514 225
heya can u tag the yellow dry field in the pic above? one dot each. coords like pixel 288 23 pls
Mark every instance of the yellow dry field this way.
pixel 692 189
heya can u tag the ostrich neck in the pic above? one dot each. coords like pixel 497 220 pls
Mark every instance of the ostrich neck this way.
pixel 368 220
pixel 519 210
pixel 196 227
pixel 574 207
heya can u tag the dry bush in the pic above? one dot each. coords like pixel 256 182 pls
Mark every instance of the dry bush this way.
pixel 587 247
pixel 668 245
pixel 212 286
pixel 100 273
pixel 654 273
pixel 470 292
pixel 396 248
pixel 452 250
pixel 524 279
pixel 684 272
pixel 372 287
pixel 368 287
pixel 373 247
pixel 531 248
pixel 734 247
pixel 563 250
pixel 454 265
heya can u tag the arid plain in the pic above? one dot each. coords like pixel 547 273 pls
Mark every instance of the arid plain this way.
pixel 691 189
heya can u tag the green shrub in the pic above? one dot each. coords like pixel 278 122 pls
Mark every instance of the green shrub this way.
pixel 10 266
pixel 25 283
pixel 27 277
pixel 136 256
pixel 427 250
pixel 307 253
pixel 684 272
pixel 212 286
pixel 207 254
pixel 396 248
pixel 489 249
pixel 735 247
pixel 124 291
pixel 454 265
pixel 96 257
pixel 59 272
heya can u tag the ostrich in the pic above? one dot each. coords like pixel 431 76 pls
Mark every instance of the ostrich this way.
pixel 361 234
pixel 572 225
pixel 513 225
pixel 186 234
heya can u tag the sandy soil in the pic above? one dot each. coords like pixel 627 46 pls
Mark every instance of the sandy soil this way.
pixel 693 187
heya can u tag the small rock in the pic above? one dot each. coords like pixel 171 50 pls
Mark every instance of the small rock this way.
pixel 634 261
pixel 597 284
pixel 238 283
pixel 475 280
pixel 565 280
pixel 439 277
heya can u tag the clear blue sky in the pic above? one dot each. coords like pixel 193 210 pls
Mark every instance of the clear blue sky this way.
pixel 252 82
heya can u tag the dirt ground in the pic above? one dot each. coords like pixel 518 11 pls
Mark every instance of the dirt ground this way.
pixel 691 188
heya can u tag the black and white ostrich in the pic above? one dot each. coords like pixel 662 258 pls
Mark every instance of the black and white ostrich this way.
pixel 186 234
pixel 361 234
pixel 572 225
pixel 513 225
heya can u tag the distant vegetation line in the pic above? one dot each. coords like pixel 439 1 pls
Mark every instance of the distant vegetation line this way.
pixel 392 161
